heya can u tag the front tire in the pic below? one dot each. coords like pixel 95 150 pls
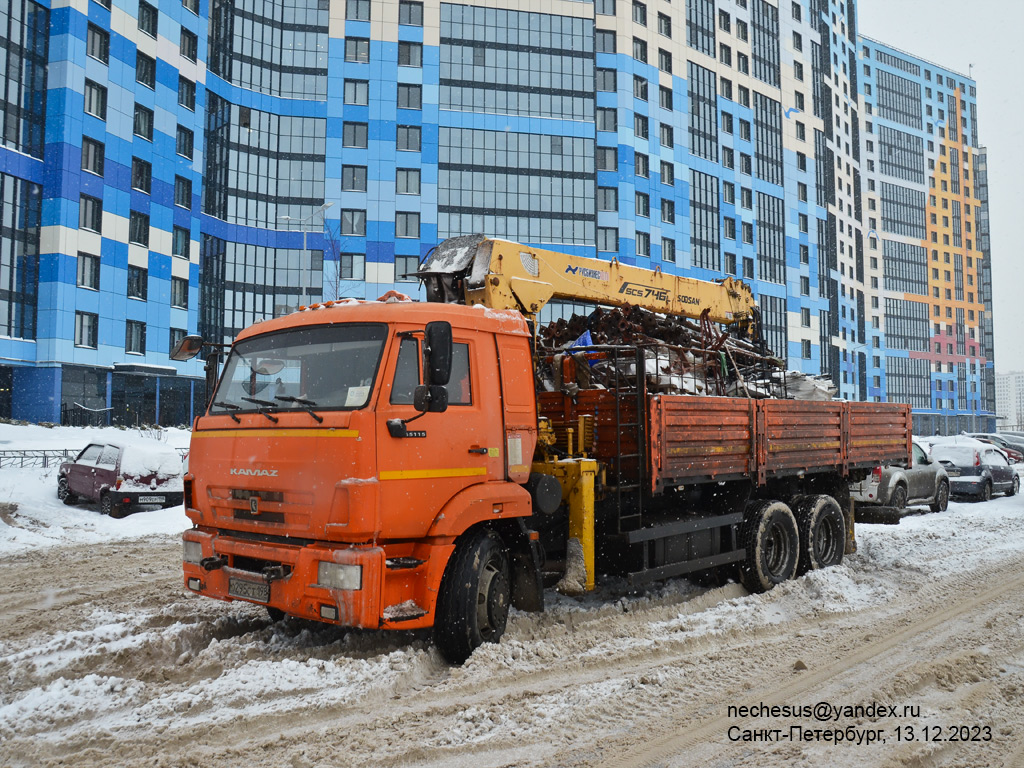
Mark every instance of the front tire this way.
pixel 473 602
pixel 772 542
pixel 64 492
pixel 822 529
pixel 898 497
pixel 941 502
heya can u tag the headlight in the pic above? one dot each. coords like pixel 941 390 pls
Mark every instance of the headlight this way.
pixel 193 551
pixel 338 576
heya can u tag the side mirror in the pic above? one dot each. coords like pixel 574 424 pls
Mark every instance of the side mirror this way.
pixel 438 353
pixel 432 399
pixel 187 348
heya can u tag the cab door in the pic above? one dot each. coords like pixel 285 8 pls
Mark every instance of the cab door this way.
pixel 445 453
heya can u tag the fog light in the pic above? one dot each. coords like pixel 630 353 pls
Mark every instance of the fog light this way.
pixel 328 612
pixel 339 576
pixel 195 585
pixel 193 551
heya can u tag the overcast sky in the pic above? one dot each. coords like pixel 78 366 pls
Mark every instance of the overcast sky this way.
pixel 987 34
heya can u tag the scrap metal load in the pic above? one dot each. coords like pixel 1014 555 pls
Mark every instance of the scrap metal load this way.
pixel 603 350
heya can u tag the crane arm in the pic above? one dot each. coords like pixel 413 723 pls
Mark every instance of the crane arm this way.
pixel 504 275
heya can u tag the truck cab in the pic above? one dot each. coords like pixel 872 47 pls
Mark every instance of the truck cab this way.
pixel 320 486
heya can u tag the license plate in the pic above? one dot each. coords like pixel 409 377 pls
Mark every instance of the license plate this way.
pixel 250 590
pixel 953 472
pixel 152 499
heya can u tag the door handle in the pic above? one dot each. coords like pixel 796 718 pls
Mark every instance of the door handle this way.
pixel 481 451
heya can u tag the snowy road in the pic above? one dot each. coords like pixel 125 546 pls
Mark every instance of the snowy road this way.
pixel 105 660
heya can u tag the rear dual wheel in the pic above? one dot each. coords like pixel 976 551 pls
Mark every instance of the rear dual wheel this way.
pixel 822 529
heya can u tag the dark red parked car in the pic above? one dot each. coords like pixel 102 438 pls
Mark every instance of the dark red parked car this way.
pixel 122 476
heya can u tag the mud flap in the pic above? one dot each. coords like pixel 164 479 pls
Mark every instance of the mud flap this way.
pixel 525 560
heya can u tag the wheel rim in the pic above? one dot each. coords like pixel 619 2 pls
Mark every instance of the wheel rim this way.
pixel 776 550
pixel 62 489
pixel 899 497
pixel 826 540
pixel 488 602
pixel 106 505
pixel 943 496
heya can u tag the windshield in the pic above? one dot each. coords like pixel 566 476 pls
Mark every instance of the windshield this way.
pixel 322 367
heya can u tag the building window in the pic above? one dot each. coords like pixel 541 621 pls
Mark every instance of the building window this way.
pixel 643 205
pixel 142 175
pixel 607 199
pixel 664 25
pixel 664 60
pixel 747 198
pixel 97 44
pixel 407 224
pixel 353 222
pixel 86 325
pixel 145 70
pixel 182 192
pixel 357 10
pixel 666 135
pixel 805 285
pixel 357 49
pixel 353 178
pixel 181 241
pixel 668 211
pixel 729 228
pixel 148 18
pixel 179 292
pixel 187 93
pixel 639 87
pixel 606 119
pixel 184 141
pixel 135 337
pixel 408 138
pixel 642 164
pixel 606 158
pixel 805 254
pixel 604 41
pixel 407 181
pixel 805 349
pixel 667 173
pixel 665 97
pixel 142 124
pixel 640 50
pixel 176 335
pixel 639 13
pixel 640 126
pixel 410 54
pixel 88 271
pixel 90 213
pixel 189 44
pixel 607 239
pixel 357 92
pixel 138 283
pixel 351 266
pixel 668 250
pixel 92 156
pixel 643 244
pixel 805 317
pixel 191 5
pixel 95 99
pixel 354 135
pixel 406 268
pixel 410 96
pixel 605 80
pixel 138 228
pixel 410 13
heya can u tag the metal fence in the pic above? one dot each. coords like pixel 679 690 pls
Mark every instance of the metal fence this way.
pixel 45 457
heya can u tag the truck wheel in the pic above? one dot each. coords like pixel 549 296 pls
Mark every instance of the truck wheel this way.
pixel 898 497
pixel 108 507
pixel 941 502
pixel 473 602
pixel 275 614
pixel 822 530
pixel 772 544
pixel 64 492
pixel 1014 486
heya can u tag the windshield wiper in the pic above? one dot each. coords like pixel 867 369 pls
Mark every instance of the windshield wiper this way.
pixel 302 401
pixel 230 407
pixel 265 403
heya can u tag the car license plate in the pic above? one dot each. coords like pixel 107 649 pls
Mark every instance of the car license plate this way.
pixel 250 590
pixel 152 499
pixel 953 472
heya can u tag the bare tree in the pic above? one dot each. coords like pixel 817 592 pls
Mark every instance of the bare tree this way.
pixel 340 280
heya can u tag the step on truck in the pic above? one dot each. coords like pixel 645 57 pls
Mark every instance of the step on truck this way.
pixel 394 464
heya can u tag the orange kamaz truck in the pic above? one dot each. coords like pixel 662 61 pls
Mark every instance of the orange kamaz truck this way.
pixel 394 464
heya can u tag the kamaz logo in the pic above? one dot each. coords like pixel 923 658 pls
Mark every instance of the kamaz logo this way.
pixel 254 472
pixel 593 274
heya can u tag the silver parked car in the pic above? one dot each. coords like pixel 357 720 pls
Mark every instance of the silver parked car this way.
pixel 923 482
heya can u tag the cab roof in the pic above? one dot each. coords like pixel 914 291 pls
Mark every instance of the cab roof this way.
pixel 416 313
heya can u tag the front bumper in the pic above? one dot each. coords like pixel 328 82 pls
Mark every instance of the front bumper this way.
pixel 285 576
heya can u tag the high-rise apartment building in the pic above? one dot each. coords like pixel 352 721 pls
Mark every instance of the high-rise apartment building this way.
pixel 176 166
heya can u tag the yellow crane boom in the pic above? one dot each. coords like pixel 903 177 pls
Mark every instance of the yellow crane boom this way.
pixel 504 275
